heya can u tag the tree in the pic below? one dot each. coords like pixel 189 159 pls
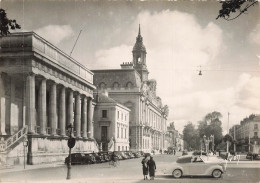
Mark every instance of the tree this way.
pixel 6 24
pixel 172 127
pixel 190 136
pixel 211 125
pixel 237 7
pixel 228 139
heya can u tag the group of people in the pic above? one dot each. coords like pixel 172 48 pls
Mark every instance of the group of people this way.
pixel 148 166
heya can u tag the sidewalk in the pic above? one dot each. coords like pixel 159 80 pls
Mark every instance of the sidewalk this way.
pixel 17 168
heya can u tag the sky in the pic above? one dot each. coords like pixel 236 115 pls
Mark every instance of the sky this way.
pixel 181 38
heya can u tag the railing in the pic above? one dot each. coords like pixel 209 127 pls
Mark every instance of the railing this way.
pixel 58 131
pixel 14 138
pixel 37 129
pixel 48 130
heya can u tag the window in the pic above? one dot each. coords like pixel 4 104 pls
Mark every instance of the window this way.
pixel 104 113
pixel 118 148
pixel 121 132
pixel 256 126
pixel 255 134
pixel 130 132
pixel 117 114
pixel 118 132
pixel 125 132
pixel 122 148
pixel 122 116
pixel 125 117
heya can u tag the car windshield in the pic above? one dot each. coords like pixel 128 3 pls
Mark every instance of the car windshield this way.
pixel 184 159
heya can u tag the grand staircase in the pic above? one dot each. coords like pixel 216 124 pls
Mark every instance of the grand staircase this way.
pixel 10 143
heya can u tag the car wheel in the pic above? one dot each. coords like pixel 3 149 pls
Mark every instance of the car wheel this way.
pixel 177 173
pixel 216 173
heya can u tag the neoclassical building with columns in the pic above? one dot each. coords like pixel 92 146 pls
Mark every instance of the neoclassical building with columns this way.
pixel 42 90
pixel 131 87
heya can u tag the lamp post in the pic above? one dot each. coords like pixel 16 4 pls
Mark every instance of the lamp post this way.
pixel 212 142
pixel 25 144
pixel 71 144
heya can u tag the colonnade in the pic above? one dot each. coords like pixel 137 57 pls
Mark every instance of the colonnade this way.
pixel 54 112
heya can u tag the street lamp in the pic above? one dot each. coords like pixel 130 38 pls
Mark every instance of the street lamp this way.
pixel 25 144
pixel 71 144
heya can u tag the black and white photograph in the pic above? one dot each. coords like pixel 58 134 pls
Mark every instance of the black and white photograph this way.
pixel 129 91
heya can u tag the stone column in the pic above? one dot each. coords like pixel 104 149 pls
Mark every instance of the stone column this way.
pixel 90 117
pixel 30 104
pixel 2 106
pixel 42 106
pixel 62 111
pixel 53 108
pixel 77 115
pixel 70 107
pixel 84 117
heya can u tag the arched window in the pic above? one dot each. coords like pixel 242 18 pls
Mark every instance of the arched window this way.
pixel 116 85
pixel 102 86
pixel 129 85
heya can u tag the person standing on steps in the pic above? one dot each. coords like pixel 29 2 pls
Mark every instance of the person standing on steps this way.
pixel 145 166
pixel 152 167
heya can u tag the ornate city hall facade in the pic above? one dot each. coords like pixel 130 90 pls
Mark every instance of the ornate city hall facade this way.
pixel 42 90
pixel 131 87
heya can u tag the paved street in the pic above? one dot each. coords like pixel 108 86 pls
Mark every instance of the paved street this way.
pixel 128 171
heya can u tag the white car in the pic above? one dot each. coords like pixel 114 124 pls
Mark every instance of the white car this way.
pixel 198 166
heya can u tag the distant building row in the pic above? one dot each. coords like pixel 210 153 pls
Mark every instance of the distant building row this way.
pixel 247 132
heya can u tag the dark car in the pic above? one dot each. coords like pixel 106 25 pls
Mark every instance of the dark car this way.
pixel 118 155
pixel 141 153
pixel 77 158
pixel 91 158
pixel 252 156
pixel 105 156
pixel 99 159
pixel 197 153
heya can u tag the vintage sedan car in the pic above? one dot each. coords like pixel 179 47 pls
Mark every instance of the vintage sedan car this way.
pixel 77 158
pixel 137 154
pixel 197 166
pixel 99 159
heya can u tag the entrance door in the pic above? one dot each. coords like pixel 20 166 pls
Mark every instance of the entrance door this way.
pixel 104 138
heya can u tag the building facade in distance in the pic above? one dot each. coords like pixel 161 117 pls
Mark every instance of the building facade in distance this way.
pixel 111 124
pixel 42 90
pixel 247 133
pixel 131 87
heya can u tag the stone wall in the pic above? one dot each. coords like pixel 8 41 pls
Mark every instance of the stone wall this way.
pixel 46 150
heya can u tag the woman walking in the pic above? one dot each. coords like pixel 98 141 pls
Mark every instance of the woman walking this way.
pixel 145 166
pixel 152 167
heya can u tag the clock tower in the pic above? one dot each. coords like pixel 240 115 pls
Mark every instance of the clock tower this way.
pixel 139 57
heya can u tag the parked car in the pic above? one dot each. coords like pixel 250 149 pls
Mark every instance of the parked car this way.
pixel 199 153
pixel 99 159
pixel 197 166
pixel 252 156
pixel 91 158
pixel 130 155
pixel 137 154
pixel 118 155
pixel 77 158
pixel 184 152
pixel 124 156
pixel 105 155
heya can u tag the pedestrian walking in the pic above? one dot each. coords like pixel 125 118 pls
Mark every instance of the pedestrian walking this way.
pixel 152 168
pixel 145 166
pixel 174 151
